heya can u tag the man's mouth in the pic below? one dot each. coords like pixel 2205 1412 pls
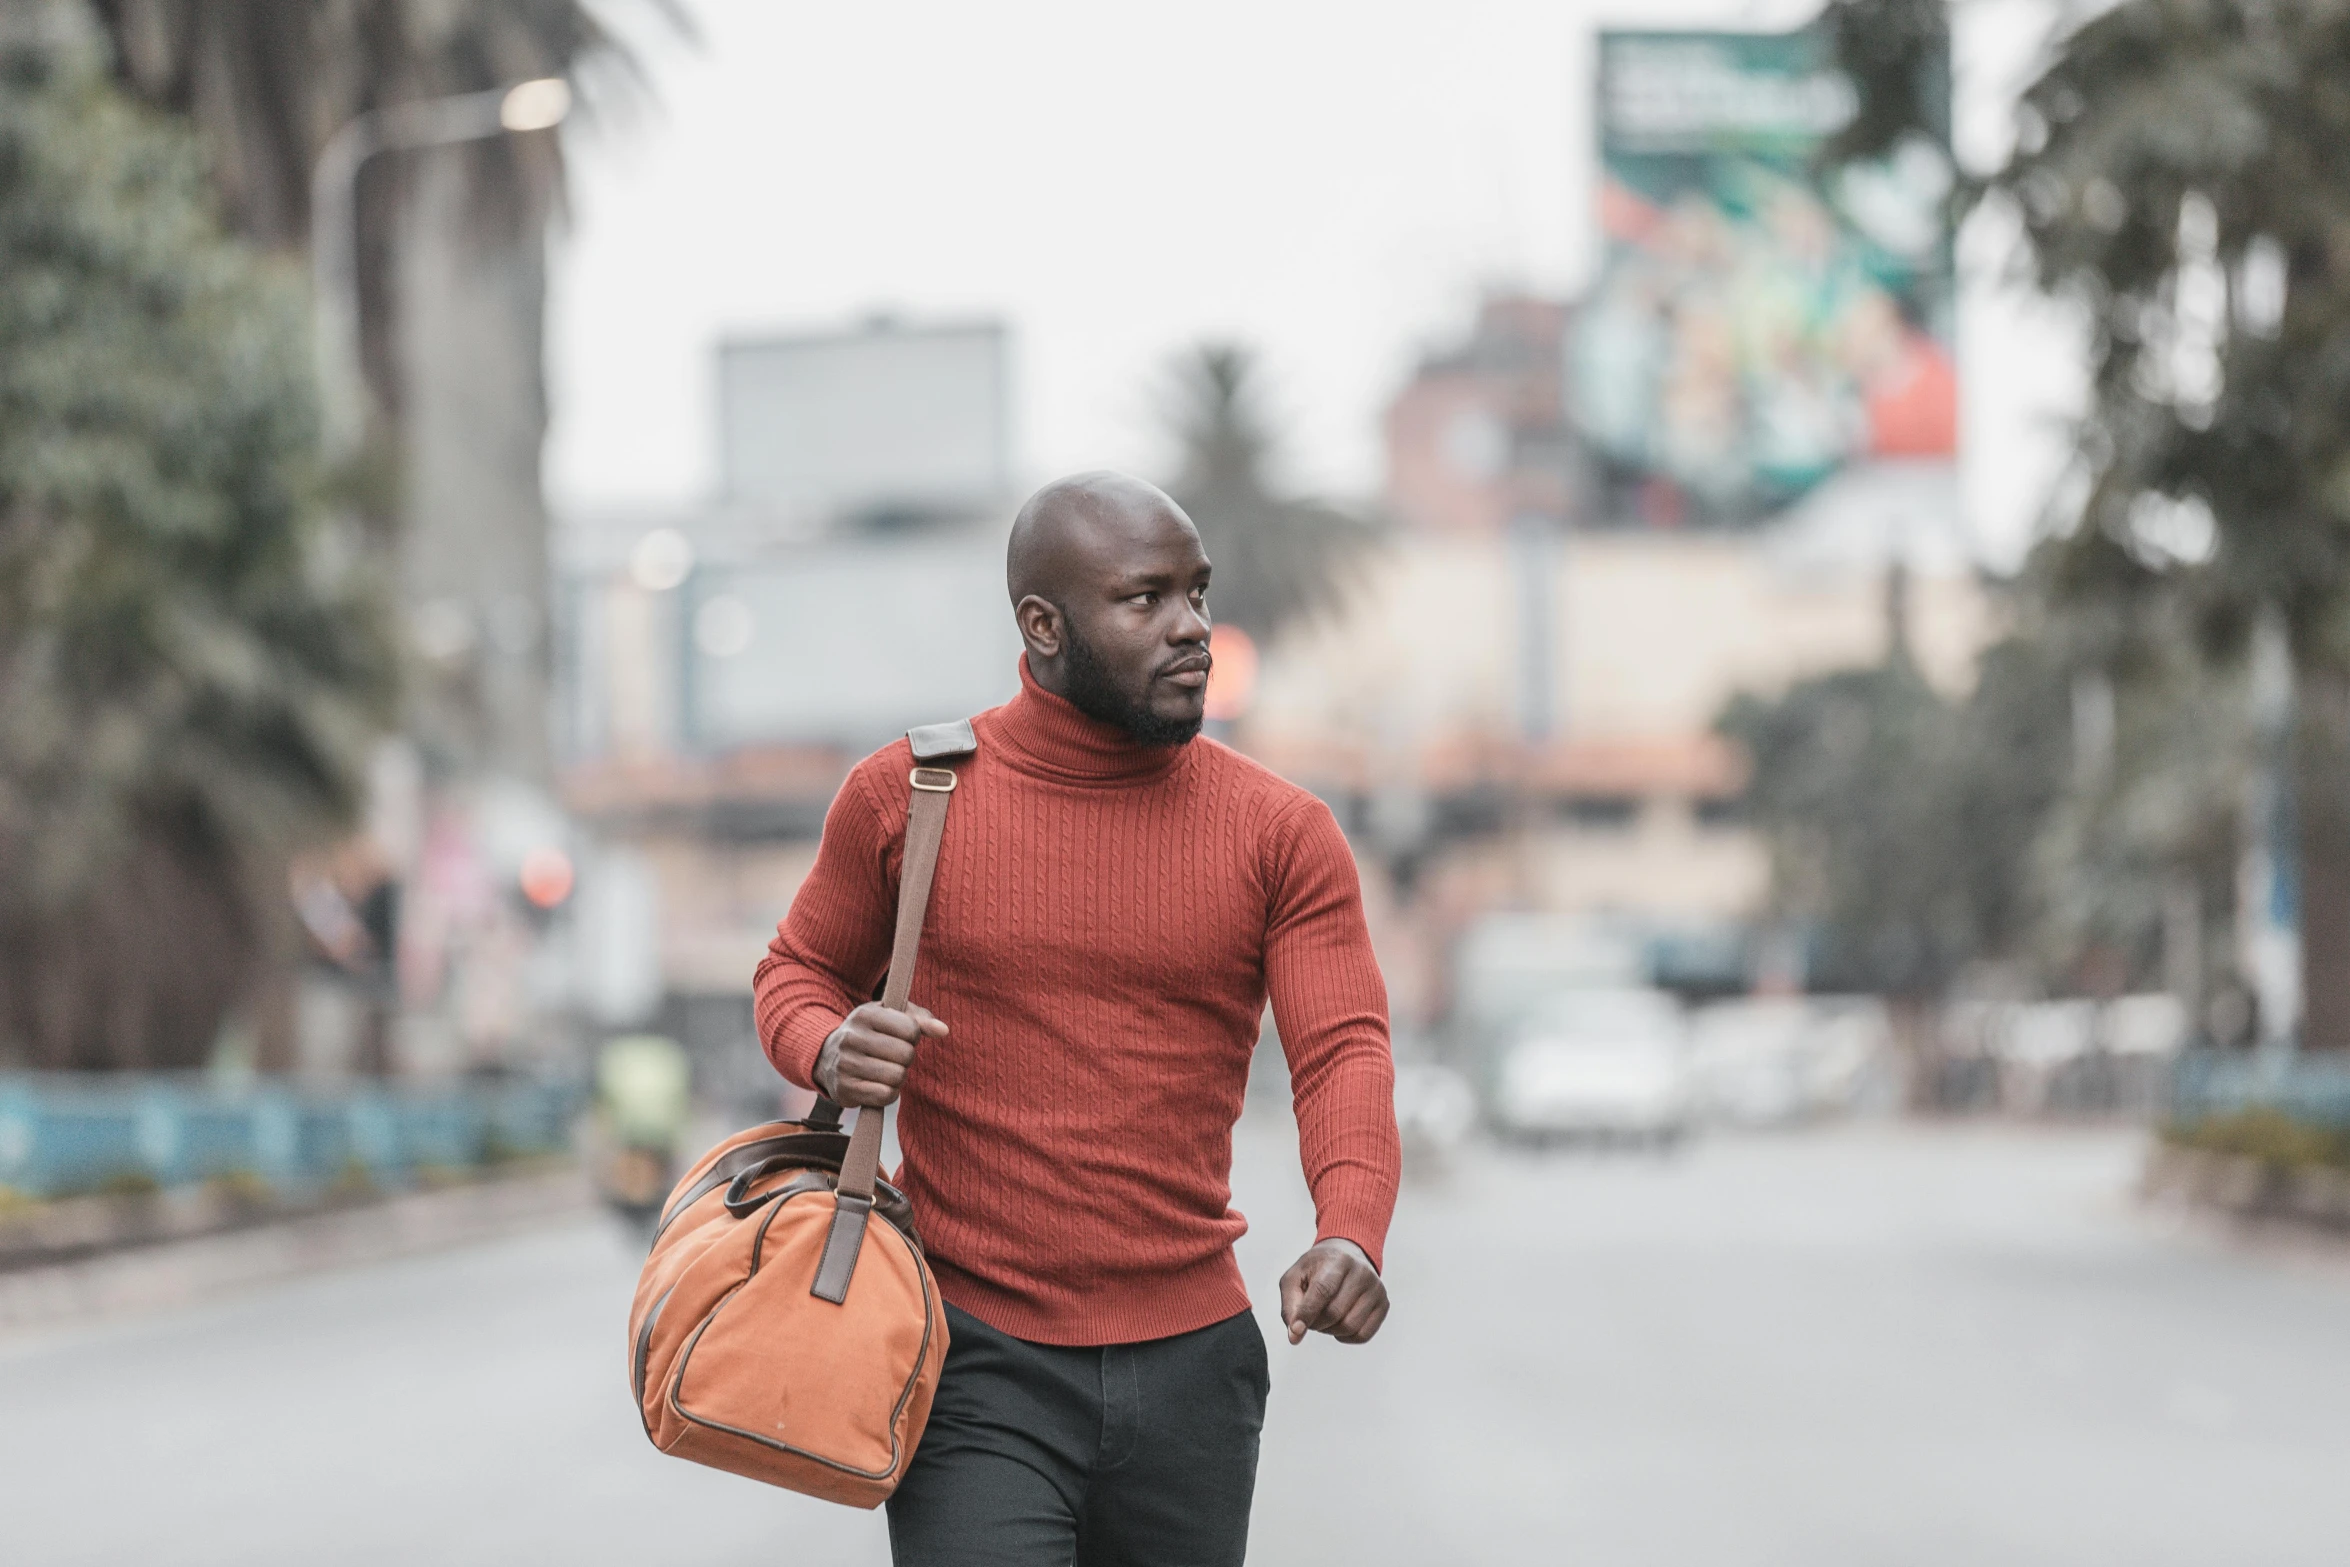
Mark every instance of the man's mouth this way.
pixel 1188 672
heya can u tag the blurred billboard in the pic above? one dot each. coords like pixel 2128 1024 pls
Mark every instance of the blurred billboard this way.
pixel 849 644
pixel 1756 328
pixel 886 424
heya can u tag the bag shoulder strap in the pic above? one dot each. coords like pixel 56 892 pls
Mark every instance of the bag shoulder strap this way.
pixel 943 742
pixel 930 743
pixel 926 818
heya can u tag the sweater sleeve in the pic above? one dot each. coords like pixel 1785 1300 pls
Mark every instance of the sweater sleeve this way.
pixel 832 948
pixel 1330 1006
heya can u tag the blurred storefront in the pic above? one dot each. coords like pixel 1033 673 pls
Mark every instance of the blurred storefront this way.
pixel 720 666
pixel 1729 466
pixel 1409 712
pixel 1513 708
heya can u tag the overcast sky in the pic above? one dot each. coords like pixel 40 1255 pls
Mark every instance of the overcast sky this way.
pixel 1330 182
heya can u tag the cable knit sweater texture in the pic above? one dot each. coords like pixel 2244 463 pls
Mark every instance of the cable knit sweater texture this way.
pixel 1108 921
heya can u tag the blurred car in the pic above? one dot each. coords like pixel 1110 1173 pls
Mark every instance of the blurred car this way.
pixel 1605 1063
pixel 1508 963
pixel 1780 1060
pixel 644 1097
pixel 1435 1109
pixel 2070 1057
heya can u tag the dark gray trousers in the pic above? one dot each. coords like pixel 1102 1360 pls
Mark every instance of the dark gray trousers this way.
pixel 1129 1455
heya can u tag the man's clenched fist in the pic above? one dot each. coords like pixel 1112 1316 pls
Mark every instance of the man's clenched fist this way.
pixel 1333 1289
pixel 864 1062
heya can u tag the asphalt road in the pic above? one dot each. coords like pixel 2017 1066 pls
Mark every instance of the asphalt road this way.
pixel 1874 1347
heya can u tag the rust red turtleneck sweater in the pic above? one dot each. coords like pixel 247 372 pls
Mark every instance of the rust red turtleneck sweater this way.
pixel 1108 921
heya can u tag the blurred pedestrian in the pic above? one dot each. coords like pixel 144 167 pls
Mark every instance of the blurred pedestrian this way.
pixel 1115 901
pixel 644 1097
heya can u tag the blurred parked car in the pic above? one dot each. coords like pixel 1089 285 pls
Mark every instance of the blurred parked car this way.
pixel 2071 1057
pixel 1507 964
pixel 1768 1061
pixel 1435 1108
pixel 1603 1063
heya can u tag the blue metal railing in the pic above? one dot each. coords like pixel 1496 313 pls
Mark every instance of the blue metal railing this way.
pixel 65 1133
pixel 2207 1083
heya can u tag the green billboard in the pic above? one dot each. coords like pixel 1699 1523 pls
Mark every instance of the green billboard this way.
pixel 1755 327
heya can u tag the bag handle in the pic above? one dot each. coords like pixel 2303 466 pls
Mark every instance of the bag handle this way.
pixel 926 820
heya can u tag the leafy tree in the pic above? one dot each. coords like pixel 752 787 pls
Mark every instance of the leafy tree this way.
pixel 2163 815
pixel 2015 767
pixel 1850 789
pixel 1903 826
pixel 2047 824
pixel 1278 558
pixel 266 82
pixel 451 279
pixel 190 670
pixel 2180 176
pixel 2160 777
pixel 1898 52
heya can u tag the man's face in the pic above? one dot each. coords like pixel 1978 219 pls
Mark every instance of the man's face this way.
pixel 1135 650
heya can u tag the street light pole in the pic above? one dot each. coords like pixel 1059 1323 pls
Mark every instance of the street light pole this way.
pixel 534 105
pixel 395 808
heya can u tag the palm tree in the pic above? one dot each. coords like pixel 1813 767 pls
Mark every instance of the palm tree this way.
pixel 2179 176
pixel 190 672
pixel 452 287
pixel 266 82
pixel 1279 559
pixel 449 251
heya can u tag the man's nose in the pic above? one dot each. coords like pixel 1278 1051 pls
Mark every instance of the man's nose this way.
pixel 1192 625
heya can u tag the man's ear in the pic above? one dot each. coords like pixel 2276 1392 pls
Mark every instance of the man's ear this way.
pixel 1040 625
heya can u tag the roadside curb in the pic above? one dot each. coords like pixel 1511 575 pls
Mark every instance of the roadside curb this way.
pixel 179 1272
pixel 2310 1198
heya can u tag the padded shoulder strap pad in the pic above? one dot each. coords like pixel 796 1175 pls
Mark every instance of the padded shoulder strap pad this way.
pixel 943 742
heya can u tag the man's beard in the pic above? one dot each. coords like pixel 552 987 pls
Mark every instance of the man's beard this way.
pixel 1093 692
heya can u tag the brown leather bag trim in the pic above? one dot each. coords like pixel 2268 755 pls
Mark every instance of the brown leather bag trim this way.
pixel 741 1201
pixel 926 821
pixel 644 1351
pixel 942 742
pixel 897 1455
pixel 805 1181
pixel 826 1149
pixel 818 1151
pixel 844 1242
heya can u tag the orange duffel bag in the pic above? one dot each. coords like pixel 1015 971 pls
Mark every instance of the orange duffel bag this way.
pixel 778 1332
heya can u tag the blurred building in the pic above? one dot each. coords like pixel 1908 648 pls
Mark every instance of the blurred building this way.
pixel 889 425
pixel 1479 438
pixel 1516 709
pixel 1417 690
pixel 1727 466
pixel 721 665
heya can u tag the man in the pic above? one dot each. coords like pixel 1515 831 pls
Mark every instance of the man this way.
pixel 1115 901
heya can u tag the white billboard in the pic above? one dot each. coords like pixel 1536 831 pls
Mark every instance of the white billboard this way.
pixel 849 644
pixel 885 422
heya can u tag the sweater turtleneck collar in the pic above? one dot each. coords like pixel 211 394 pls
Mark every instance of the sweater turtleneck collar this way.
pixel 1047 735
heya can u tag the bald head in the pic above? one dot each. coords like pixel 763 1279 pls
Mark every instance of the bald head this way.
pixel 1072 525
pixel 1109 586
